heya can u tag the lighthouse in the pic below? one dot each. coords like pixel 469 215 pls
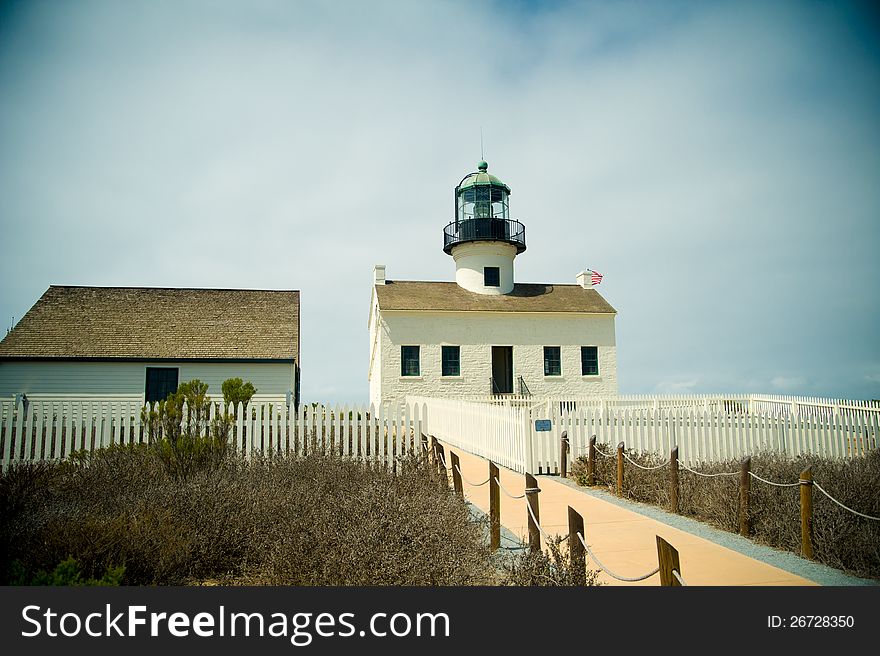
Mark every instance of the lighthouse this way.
pixel 486 334
pixel 482 238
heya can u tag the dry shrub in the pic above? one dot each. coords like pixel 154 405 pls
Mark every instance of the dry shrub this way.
pixel 318 520
pixel 340 523
pixel 840 539
pixel 119 506
pixel 315 520
pixel 638 484
pixel 550 567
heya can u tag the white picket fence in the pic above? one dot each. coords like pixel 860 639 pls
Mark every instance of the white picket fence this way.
pixel 755 403
pixel 500 434
pixel 703 437
pixel 507 434
pixel 51 430
pixel 813 405
pixel 652 401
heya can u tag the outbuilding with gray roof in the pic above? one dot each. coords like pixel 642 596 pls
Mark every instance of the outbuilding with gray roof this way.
pixel 140 342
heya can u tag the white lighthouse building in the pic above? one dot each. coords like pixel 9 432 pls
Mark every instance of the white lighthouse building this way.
pixel 486 333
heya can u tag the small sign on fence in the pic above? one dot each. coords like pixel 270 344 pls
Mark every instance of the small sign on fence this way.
pixel 542 425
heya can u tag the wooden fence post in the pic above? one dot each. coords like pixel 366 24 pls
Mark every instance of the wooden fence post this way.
pixel 532 490
pixel 745 482
pixel 668 557
pixel 575 548
pixel 563 455
pixel 494 507
pixel 673 481
pixel 434 449
pixel 441 459
pixel 591 462
pixel 456 475
pixel 425 444
pixel 620 469
pixel 806 482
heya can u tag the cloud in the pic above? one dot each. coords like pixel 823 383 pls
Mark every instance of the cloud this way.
pixel 715 161
pixel 788 384
pixel 676 386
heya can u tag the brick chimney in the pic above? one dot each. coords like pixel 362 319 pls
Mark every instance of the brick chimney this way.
pixel 379 274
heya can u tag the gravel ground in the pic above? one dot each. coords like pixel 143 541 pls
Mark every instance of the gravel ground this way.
pixel 785 560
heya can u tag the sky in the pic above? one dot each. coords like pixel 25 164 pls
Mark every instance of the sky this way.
pixel 717 162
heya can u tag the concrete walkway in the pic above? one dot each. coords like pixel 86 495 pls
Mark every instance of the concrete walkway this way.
pixel 623 540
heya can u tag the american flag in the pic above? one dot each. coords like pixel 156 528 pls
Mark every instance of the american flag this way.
pixel 597 277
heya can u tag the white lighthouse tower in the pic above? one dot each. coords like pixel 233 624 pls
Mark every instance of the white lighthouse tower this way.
pixel 483 239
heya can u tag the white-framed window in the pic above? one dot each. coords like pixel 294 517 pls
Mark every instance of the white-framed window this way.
pixel 589 361
pixel 552 361
pixel 409 361
pixel 450 360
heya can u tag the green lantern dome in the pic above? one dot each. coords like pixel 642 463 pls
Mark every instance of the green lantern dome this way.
pixel 481 178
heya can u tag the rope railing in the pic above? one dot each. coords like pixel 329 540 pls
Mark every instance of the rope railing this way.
pixel 751 473
pixel 627 579
pixel 764 480
pixel 504 489
pixel 443 461
pixel 612 455
pixel 800 482
pixel 855 512
pixel 806 506
pixel 458 469
pixel 531 488
pixel 534 519
pixel 643 466
pixel 586 445
pixel 685 467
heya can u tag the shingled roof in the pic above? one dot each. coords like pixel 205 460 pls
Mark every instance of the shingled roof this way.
pixel 450 297
pixel 157 324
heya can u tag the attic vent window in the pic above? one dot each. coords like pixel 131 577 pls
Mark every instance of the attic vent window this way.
pixel 491 276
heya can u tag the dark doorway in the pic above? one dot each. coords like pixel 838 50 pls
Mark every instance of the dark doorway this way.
pixel 502 370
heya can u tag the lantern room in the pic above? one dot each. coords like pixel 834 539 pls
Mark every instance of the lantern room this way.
pixel 482 212
pixel 481 196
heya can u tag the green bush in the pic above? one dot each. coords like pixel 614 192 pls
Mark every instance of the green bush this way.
pixel 67 572
pixel 182 433
pixel 236 391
